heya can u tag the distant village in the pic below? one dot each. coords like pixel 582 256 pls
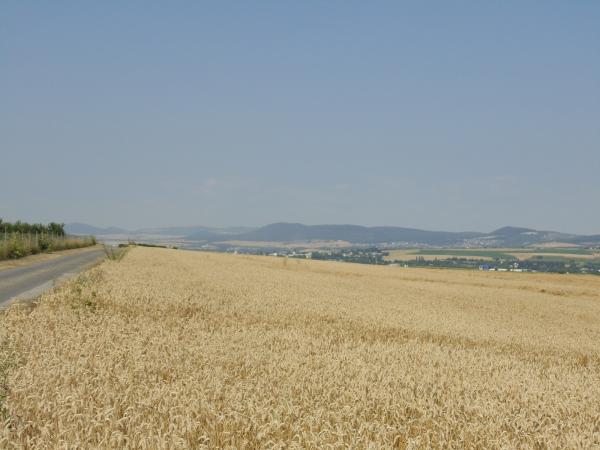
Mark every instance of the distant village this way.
pixel 379 256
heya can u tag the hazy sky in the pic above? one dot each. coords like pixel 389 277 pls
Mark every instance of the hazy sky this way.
pixel 439 115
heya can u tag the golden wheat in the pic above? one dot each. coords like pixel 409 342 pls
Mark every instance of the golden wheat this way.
pixel 173 349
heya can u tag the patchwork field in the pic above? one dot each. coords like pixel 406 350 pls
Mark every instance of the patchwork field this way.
pixel 406 255
pixel 175 349
pixel 308 245
pixel 561 254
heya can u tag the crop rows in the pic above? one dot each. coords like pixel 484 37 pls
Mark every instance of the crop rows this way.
pixel 175 349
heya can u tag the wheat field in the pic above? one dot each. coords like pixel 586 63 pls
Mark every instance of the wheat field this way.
pixel 175 349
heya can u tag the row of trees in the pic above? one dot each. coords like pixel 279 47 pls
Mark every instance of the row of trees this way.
pixel 53 228
pixel 20 239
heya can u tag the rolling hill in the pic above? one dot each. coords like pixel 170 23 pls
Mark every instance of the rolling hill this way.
pixel 354 234
pixel 291 232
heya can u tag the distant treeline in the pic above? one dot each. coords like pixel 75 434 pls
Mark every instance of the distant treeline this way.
pixel 53 228
pixel 20 239
pixel 143 244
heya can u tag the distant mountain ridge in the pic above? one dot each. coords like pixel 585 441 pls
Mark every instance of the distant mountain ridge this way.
pixel 292 232
pixel 85 229
pixel 355 234
pixel 209 232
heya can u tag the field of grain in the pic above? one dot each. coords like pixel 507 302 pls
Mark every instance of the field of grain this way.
pixel 175 349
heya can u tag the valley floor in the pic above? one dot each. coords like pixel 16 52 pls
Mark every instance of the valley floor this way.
pixel 177 349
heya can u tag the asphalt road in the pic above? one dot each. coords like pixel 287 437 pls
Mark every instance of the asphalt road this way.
pixel 27 282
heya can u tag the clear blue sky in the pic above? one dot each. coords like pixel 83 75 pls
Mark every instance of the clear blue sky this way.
pixel 438 115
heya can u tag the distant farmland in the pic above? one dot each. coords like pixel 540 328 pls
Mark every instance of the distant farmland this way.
pixel 556 254
pixel 459 253
pixel 175 349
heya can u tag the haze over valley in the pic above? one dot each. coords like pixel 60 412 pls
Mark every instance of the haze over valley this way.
pixel 293 233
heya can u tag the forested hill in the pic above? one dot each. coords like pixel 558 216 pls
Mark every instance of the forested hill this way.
pixel 502 237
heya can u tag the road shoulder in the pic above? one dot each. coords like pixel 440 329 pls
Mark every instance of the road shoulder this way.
pixel 41 257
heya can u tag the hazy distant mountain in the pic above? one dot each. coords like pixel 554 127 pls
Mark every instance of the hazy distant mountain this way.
pixel 293 232
pixel 85 229
pixel 208 235
pixel 513 231
pixel 194 230
pixel 355 234
pixel 523 237
pixel 199 232
pixel 503 237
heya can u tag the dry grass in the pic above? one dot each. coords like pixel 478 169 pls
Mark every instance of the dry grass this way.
pixel 19 245
pixel 173 349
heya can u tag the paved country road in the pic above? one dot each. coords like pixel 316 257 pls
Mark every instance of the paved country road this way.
pixel 27 282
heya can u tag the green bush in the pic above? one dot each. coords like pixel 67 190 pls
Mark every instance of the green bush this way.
pixel 115 254
pixel 44 243
pixel 16 249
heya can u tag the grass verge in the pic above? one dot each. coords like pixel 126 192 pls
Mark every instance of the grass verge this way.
pixel 115 253
pixel 19 245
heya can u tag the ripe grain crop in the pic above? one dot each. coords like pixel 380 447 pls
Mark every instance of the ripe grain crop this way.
pixel 174 349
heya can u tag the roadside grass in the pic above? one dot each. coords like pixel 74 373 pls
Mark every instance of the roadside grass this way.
pixel 115 253
pixel 19 245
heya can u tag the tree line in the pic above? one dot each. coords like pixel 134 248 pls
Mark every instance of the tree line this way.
pixel 19 239
pixel 53 228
